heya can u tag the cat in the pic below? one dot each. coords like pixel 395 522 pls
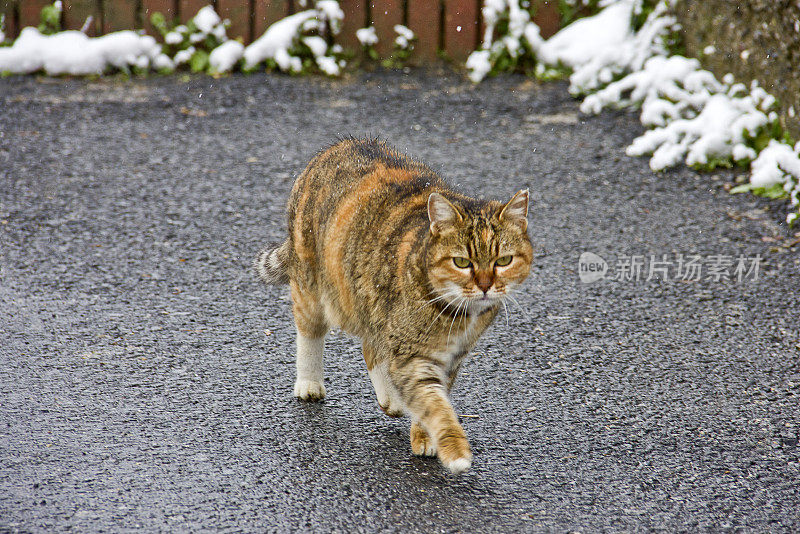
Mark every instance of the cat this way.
pixel 380 247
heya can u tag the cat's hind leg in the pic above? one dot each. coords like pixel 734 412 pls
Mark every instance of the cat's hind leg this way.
pixel 309 319
pixel 384 390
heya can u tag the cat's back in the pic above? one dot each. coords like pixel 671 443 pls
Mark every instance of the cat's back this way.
pixel 357 215
pixel 355 184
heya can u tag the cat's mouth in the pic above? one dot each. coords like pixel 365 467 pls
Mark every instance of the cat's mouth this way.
pixel 481 301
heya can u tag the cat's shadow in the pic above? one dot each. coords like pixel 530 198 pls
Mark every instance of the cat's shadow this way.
pixel 332 441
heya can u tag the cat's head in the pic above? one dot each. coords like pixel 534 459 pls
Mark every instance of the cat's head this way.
pixel 480 251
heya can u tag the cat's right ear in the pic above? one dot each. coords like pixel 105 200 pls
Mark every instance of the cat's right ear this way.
pixel 441 213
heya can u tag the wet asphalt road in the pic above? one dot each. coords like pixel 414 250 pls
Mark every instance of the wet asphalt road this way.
pixel 146 377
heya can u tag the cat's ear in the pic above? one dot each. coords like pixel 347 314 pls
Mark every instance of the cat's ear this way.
pixel 441 213
pixel 516 210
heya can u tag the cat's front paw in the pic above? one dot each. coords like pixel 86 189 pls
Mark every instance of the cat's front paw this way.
pixel 459 465
pixel 455 454
pixel 309 390
pixel 421 442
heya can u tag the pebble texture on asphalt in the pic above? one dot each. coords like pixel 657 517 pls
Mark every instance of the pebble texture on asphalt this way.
pixel 146 376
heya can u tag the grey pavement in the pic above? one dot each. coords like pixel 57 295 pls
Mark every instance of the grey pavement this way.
pixel 146 376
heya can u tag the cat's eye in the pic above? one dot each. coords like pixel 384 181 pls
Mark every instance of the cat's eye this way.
pixel 503 261
pixel 462 263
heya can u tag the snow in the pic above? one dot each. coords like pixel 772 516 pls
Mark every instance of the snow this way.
pixel 588 37
pixel 173 38
pixel 404 36
pixel 276 41
pixel 328 65
pixel 316 44
pixel 520 29
pixel 330 12
pixel 478 65
pixel 367 36
pixel 72 52
pixel 206 20
pixel 774 163
pixel 163 62
pixel 224 57
pixel 713 133
pixel 691 116
pixel 184 56
pixel 285 34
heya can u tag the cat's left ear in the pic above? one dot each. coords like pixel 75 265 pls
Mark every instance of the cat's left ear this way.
pixel 516 210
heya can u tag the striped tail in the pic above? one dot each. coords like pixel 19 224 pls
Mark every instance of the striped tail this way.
pixel 272 264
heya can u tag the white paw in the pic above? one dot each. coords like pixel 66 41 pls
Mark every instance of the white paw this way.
pixel 309 390
pixel 459 465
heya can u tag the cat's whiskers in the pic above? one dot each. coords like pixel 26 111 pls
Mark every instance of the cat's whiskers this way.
pixel 449 302
pixel 515 301
pixel 461 301
pixel 506 308
pixel 431 301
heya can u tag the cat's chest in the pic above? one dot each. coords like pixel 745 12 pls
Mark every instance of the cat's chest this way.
pixel 457 344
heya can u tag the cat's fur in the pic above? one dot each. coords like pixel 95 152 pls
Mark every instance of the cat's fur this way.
pixel 372 240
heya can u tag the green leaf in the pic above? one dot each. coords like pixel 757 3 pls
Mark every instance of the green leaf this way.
pixel 199 61
pixel 159 22
pixel 51 20
pixel 774 191
pixel 744 188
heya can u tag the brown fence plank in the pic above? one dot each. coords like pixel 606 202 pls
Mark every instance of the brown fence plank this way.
pixel 238 12
pixel 7 9
pixel 187 9
pixel 267 12
pixel 150 7
pixel 29 11
pixel 547 17
pixel 355 18
pixel 423 20
pixel 76 13
pixel 119 15
pixel 385 14
pixel 460 28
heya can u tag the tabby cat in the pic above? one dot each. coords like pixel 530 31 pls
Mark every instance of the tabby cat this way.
pixel 380 247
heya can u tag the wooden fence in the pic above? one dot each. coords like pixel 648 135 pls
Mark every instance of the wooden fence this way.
pixel 451 26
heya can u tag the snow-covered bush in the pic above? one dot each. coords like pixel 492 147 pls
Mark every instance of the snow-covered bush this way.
pixel 404 42
pixel 73 52
pixel 507 40
pixel 192 43
pixel 299 42
pixel 704 128
pixel 624 56
pixel 775 173
pixel 368 39
pixel 403 45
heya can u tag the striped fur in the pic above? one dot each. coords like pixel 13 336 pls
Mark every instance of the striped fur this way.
pixel 372 239
pixel 271 264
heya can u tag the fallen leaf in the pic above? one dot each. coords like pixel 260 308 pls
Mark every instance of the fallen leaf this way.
pixel 193 112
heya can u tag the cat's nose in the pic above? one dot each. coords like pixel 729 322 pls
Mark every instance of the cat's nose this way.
pixel 483 281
